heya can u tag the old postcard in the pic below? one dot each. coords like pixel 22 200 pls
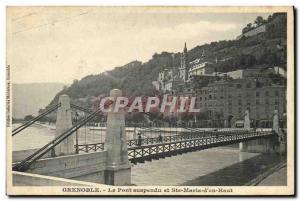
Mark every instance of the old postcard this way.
pixel 150 101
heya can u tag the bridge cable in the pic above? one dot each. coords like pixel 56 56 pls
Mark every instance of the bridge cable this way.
pixel 25 164
pixel 30 122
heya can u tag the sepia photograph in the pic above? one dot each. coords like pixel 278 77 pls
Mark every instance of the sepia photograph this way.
pixel 123 101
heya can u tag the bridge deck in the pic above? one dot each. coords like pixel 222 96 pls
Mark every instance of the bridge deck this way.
pixel 155 151
pixel 153 148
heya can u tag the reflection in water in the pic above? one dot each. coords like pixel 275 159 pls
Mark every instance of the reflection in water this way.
pixel 181 168
pixel 239 174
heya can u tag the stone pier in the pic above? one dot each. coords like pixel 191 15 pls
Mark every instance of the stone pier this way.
pixel 263 145
pixel 63 123
pixel 281 137
pixel 118 168
pixel 242 145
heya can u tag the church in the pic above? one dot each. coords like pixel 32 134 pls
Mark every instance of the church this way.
pixel 172 78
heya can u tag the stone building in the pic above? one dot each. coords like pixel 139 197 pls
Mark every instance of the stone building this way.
pixel 226 101
pixel 172 78
pixel 259 29
pixel 202 68
pixel 167 80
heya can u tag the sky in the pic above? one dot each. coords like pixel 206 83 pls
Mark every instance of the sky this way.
pixel 60 44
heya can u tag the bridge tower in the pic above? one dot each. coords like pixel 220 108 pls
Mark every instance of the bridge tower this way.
pixel 281 137
pixel 63 123
pixel 247 127
pixel 118 168
pixel 275 144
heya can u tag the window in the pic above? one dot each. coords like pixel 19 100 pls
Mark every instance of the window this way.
pixel 200 98
pixel 229 96
pixel 238 86
pixel 267 93
pixel 257 94
pixel 248 85
pixel 257 102
pixel 240 110
pixel 209 96
pixel 276 93
pixel 229 103
pixel 276 102
pixel 240 102
pixel 267 101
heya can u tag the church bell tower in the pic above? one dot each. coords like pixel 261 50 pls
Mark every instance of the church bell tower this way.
pixel 184 66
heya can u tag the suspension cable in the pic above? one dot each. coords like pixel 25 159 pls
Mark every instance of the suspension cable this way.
pixel 25 164
pixel 30 122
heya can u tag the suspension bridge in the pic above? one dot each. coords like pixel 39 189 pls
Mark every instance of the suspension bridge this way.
pixel 109 162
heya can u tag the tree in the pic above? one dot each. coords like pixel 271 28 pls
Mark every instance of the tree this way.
pixel 247 28
pixel 269 18
pixel 28 117
pixel 259 21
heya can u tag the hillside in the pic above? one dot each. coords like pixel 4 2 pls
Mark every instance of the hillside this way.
pixel 262 50
pixel 27 99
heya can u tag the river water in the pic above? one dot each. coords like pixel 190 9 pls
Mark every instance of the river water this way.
pixel 195 168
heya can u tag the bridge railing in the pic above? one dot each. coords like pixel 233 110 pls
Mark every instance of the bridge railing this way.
pixel 213 135
pixel 156 151
pixel 90 147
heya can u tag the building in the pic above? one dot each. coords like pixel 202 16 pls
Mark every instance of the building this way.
pixel 173 78
pixel 253 73
pixel 223 98
pixel 226 101
pixel 252 32
pixel 280 71
pixel 167 80
pixel 178 79
pixel 199 67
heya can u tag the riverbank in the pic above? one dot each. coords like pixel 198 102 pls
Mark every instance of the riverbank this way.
pixel 277 178
pixel 245 173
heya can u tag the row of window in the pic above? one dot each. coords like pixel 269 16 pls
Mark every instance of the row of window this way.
pixel 241 111
pixel 276 102
pixel 276 93
pixel 240 103
pixel 239 86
